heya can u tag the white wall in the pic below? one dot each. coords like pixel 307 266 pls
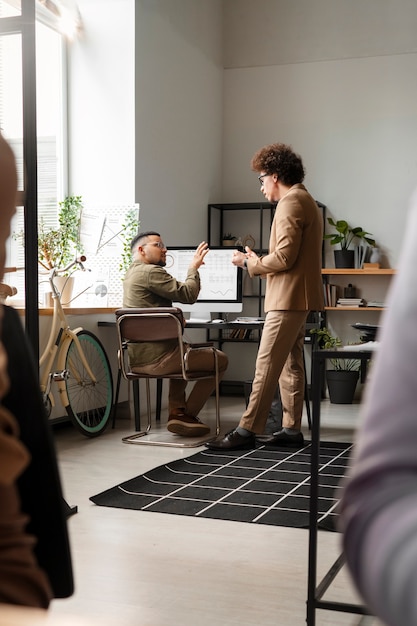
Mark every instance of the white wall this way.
pixel 102 104
pixel 179 126
pixel 336 79
pixel 156 120
pixel 274 32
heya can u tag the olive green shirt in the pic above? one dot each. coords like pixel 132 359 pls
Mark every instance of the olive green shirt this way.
pixel 147 285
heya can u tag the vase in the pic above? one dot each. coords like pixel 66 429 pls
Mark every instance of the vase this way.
pixel 375 256
pixel 65 286
pixel 344 258
pixel 228 242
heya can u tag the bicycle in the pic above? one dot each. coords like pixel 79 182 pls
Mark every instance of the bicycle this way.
pixel 83 374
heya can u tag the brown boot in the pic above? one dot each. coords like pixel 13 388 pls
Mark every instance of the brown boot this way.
pixel 186 425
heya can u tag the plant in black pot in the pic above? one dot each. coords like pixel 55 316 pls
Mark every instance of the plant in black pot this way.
pixel 345 235
pixel 343 376
pixel 228 239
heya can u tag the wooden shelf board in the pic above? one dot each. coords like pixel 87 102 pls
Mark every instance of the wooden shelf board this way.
pixel 354 308
pixel 359 272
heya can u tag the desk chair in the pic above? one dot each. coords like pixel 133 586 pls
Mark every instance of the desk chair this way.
pixel 136 399
pixel 152 325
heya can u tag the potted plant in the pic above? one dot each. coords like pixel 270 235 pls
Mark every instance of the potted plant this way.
pixel 228 239
pixel 343 377
pixel 57 247
pixel 344 236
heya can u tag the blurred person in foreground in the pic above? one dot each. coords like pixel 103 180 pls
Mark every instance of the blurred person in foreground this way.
pixel 378 509
pixel 35 560
pixel 21 579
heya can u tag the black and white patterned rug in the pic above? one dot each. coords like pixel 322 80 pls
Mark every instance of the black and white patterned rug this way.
pixel 261 486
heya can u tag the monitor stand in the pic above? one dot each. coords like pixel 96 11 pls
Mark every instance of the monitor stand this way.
pixel 200 317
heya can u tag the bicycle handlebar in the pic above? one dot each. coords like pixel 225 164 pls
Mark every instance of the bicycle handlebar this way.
pixel 77 261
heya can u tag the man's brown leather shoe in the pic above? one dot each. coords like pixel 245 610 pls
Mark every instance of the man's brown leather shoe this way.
pixel 232 441
pixel 186 425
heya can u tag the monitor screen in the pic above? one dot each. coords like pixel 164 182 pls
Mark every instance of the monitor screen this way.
pixel 221 281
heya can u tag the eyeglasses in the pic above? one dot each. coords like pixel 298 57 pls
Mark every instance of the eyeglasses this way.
pixel 158 244
pixel 261 178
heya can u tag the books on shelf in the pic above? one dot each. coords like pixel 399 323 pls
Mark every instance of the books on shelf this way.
pixel 360 255
pixel 240 333
pixel 330 294
pixel 376 304
pixel 351 302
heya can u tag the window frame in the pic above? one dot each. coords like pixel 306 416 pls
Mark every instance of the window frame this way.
pixel 25 25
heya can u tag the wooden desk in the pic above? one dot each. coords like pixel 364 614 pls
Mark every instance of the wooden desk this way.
pixel 315 592
pixel 72 310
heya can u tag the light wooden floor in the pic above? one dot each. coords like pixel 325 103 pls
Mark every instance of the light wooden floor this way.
pixel 136 568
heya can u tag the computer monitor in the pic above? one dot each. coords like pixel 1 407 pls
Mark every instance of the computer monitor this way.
pixel 221 281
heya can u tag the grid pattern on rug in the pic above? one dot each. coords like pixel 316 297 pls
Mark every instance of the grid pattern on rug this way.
pixel 264 486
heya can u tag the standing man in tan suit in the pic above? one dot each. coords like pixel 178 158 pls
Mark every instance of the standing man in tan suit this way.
pixel 292 269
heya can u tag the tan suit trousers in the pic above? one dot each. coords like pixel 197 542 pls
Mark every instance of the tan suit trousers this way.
pixel 279 359
pixel 202 360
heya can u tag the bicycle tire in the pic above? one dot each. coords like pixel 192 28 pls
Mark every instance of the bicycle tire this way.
pixel 90 404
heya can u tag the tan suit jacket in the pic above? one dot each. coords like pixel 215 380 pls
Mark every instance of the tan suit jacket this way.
pixel 293 264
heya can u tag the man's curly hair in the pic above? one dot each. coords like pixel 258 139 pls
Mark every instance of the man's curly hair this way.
pixel 279 159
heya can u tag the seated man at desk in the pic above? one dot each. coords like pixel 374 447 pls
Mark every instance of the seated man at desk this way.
pixel 148 284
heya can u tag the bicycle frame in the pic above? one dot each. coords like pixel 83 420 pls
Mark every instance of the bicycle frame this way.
pixel 59 340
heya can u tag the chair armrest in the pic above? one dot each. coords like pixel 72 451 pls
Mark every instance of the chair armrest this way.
pixel 206 344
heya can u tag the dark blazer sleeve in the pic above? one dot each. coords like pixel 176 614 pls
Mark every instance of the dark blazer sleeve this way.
pixel 39 485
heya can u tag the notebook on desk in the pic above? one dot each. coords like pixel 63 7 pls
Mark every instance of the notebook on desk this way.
pixel 249 320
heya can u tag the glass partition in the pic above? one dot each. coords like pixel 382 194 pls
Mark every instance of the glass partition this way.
pixel 51 160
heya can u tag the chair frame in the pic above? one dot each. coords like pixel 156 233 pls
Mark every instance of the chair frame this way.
pixel 144 325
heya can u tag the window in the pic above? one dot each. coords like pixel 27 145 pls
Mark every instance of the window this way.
pixel 51 128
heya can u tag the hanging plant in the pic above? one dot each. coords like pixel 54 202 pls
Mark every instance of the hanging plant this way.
pixel 130 229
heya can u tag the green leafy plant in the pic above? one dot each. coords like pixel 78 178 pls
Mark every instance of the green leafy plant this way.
pixel 57 247
pixel 130 229
pixel 228 237
pixel 345 234
pixel 327 341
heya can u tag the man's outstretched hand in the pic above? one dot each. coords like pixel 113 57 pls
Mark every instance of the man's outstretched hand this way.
pixel 199 255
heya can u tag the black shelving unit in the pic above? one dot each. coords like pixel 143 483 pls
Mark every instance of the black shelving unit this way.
pixel 256 216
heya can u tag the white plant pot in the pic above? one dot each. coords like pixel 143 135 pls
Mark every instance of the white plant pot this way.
pixel 65 285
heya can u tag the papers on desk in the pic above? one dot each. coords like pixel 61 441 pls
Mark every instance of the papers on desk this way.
pixel 351 302
pixel 376 303
pixel 358 347
pixel 249 320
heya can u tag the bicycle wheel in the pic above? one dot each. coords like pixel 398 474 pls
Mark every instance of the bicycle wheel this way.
pixel 90 403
